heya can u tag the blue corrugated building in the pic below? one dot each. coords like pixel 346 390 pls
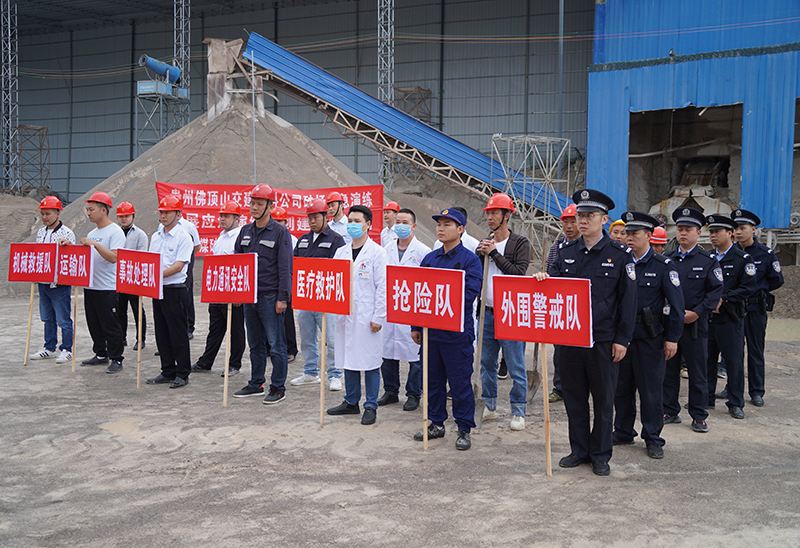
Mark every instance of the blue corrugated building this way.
pixel 669 54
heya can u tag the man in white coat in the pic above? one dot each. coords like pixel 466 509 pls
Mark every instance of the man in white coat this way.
pixel 358 341
pixel 398 345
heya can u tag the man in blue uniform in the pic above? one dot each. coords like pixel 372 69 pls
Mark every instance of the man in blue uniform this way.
pixel 654 339
pixel 768 278
pixel 450 354
pixel 726 328
pixel 586 371
pixel 701 281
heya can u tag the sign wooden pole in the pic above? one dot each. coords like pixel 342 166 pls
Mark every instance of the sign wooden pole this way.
pixel 323 367
pixel 227 356
pixel 546 394
pixel 425 388
pixel 139 343
pixel 28 336
pixel 74 324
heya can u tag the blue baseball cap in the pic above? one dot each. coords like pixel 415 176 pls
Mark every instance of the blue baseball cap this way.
pixel 451 214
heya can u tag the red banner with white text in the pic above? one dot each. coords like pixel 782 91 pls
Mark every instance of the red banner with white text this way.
pixel 321 285
pixel 74 265
pixel 425 297
pixel 32 263
pixel 230 279
pixel 139 273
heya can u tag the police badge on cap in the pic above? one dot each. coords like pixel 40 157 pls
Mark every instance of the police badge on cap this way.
pixel 588 200
pixel 742 216
pixel 716 222
pixel 689 216
pixel 636 220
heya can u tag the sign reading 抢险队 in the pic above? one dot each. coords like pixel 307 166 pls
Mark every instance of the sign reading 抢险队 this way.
pixel 425 297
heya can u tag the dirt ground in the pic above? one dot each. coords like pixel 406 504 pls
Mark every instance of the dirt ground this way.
pixel 90 460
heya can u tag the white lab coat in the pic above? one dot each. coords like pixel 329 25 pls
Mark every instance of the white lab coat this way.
pixel 387 236
pixel 356 347
pixel 397 342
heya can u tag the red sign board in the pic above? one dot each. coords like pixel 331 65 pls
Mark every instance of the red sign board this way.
pixel 321 285
pixel 32 263
pixel 139 273
pixel 230 279
pixel 555 311
pixel 74 265
pixel 202 202
pixel 425 297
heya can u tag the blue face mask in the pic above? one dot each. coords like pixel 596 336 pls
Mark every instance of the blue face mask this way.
pixel 355 230
pixel 402 231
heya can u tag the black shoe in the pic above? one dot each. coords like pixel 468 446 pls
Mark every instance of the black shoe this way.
pixel 412 403
pixel 672 419
pixel 274 396
pixel 369 416
pixel 736 412
pixel 502 372
pixel 160 379
pixel 249 391
pixel 600 468
pixel 434 432
pixel 291 357
pixel 655 451
pixel 136 345
pixel 700 425
pixel 344 408
pixel 571 461
pixel 115 367
pixel 722 394
pixel 97 360
pixel 387 398
pixel 463 441
pixel 197 368
pixel 178 382
pixel 623 441
pixel 758 401
pixel 231 372
pixel 190 336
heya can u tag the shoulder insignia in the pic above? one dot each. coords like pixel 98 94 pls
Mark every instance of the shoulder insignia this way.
pixel 718 273
pixel 776 266
pixel 674 278
pixel 750 269
pixel 630 268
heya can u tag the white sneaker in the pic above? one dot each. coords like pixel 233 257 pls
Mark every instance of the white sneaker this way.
pixel 335 384
pixel 43 354
pixel 489 415
pixel 517 423
pixel 304 379
pixel 64 356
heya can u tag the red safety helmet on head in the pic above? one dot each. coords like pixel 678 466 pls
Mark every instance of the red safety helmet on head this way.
pixel 263 192
pixel 125 208
pixel 230 208
pixel 279 214
pixel 334 197
pixel 51 202
pixel 570 211
pixel 392 206
pixel 659 236
pixel 500 201
pixel 317 206
pixel 101 198
pixel 170 202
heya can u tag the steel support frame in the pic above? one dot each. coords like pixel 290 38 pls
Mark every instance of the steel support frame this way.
pixel 386 73
pixel 9 95
pixel 182 55
pixel 34 157
pixel 157 116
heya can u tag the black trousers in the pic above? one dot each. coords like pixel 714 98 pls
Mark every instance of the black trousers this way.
pixel 727 338
pixel 188 297
pixel 694 352
pixel 291 331
pixel 642 371
pixel 217 327
pixel 755 332
pixel 172 337
pixel 100 308
pixel 557 369
pixel 122 314
pixel 584 372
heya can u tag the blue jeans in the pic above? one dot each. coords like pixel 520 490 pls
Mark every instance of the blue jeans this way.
pixel 352 387
pixel 390 370
pixel 266 335
pixel 54 310
pixel 514 353
pixel 310 325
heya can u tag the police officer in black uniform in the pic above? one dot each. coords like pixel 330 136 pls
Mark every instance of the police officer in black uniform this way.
pixel 768 278
pixel 655 340
pixel 726 328
pixel 701 281
pixel 586 371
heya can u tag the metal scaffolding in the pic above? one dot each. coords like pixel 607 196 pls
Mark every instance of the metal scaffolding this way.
pixel 9 95
pixel 34 157
pixel 386 72
pixel 182 58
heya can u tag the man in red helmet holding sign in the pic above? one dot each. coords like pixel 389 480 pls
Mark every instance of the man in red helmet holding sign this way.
pixel 136 239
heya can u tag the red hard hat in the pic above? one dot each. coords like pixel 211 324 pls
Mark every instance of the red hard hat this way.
pixel 317 206
pixel 659 236
pixel 170 202
pixel 333 197
pixel 279 214
pixel 500 201
pixel 263 192
pixel 569 211
pixel 392 206
pixel 101 198
pixel 51 202
pixel 230 208
pixel 125 208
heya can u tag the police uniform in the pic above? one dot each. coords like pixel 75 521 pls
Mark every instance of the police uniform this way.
pixel 701 282
pixel 768 278
pixel 586 371
pixel 642 369
pixel 726 327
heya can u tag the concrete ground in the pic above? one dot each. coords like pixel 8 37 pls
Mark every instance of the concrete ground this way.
pixel 90 460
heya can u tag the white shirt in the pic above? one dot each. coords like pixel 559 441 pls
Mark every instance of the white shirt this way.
pixel 60 233
pixel 175 245
pixel 225 241
pixel 387 236
pixel 466 240
pixel 294 241
pixel 136 238
pixel 340 227
pixel 104 273
pixel 494 270
pixel 191 230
